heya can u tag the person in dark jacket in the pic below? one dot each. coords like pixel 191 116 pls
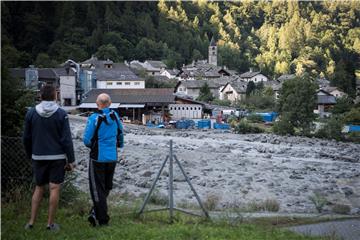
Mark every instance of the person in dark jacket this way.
pixel 47 140
pixel 103 135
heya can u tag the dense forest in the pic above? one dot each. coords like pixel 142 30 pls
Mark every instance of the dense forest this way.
pixel 321 38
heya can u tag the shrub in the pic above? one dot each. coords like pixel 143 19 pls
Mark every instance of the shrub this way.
pixel 353 116
pixel 244 127
pixel 254 118
pixel 270 205
pixel 319 201
pixel 158 198
pixel 283 127
pixel 341 209
pixel 331 129
pixel 211 202
pixel 224 102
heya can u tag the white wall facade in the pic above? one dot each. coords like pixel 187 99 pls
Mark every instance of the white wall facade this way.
pixel 229 93
pixel 188 111
pixel 121 84
pixel 67 90
pixel 257 78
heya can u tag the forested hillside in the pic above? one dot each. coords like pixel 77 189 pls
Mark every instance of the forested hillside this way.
pixel 322 38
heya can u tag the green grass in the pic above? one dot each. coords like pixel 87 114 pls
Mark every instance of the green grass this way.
pixel 124 225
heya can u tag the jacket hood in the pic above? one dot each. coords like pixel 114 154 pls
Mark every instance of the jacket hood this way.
pixel 46 108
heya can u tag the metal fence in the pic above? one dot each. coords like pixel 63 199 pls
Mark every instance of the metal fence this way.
pixel 15 166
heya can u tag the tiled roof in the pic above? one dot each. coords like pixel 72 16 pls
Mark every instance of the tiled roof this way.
pixel 156 64
pixel 286 77
pixel 249 74
pixel 147 95
pixel 119 72
pixel 213 83
pixel 43 73
pixel 212 42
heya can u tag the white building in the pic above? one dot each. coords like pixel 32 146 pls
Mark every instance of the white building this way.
pixel 253 76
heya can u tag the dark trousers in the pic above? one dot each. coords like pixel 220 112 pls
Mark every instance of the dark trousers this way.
pixel 101 182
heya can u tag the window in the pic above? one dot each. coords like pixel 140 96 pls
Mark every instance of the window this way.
pixel 187 108
pixel 190 108
pixel 127 83
pixel 119 83
pixel 137 83
pixel 108 83
pixel 183 108
pixel 170 108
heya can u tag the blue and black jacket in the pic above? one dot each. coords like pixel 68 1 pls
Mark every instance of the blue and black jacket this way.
pixel 103 134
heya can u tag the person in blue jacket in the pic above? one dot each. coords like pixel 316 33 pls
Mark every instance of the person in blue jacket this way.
pixel 47 140
pixel 103 135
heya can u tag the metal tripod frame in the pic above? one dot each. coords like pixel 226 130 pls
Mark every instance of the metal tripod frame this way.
pixel 171 207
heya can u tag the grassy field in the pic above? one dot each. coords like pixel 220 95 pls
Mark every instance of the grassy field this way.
pixel 125 225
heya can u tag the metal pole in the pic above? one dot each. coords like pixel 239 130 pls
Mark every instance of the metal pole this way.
pixel 191 186
pixel 153 186
pixel 171 197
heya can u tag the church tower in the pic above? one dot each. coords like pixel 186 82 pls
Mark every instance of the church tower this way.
pixel 212 52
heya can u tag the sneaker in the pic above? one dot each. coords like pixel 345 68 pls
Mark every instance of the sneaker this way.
pixel 28 226
pixel 92 218
pixel 53 227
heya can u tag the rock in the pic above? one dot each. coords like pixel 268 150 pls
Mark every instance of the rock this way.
pixel 143 184
pixel 147 174
pixel 347 191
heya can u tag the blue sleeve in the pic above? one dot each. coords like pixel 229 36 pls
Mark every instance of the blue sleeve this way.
pixel 121 136
pixel 89 130
pixel 27 137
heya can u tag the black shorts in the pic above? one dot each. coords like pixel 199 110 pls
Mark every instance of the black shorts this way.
pixel 48 171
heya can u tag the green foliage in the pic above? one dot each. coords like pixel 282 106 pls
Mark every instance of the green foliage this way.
pixel 331 129
pixel 270 205
pixel 283 126
pixel 353 116
pixel 123 225
pixel 108 51
pixel 255 118
pixel 341 209
pixel 250 88
pixel 277 37
pixel 297 101
pixel 244 127
pixel 343 105
pixel 259 102
pixel 224 102
pixel 205 94
pixel 318 200
pixel 44 61
pixel 151 82
pixel 14 102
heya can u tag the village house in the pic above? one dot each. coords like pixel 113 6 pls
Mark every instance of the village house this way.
pixel 192 88
pixel 150 67
pixel 170 73
pixel 335 92
pixel 234 91
pixel 110 75
pixel 324 102
pixel 253 76
pixel 64 81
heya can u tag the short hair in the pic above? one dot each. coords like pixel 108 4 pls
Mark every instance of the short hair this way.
pixel 48 93
pixel 104 99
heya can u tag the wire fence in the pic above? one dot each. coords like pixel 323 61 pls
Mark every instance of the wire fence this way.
pixel 15 166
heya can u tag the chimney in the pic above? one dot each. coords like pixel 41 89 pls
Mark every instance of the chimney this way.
pixel 250 70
